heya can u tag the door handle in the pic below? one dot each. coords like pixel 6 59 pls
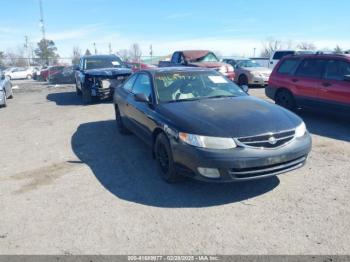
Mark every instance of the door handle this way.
pixel 326 84
pixel 295 80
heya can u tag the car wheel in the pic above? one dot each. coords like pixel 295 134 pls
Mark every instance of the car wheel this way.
pixel 285 99
pixel 119 120
pixel 5 103
pixel 87 98
pixel 164 157
pixel 242 80
pixel 77 89
pixel 29 77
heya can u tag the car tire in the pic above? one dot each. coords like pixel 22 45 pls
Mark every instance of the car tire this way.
pixel 86 96
pixel 5 103
pixel 165 161
pixel 29 77
pixel 285 99
pixel 78 91
pixel 242 80
pixel 120 124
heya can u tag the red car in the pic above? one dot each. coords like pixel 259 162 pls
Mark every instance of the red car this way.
pixel 321 80
pixel 46 73
pixel 135 66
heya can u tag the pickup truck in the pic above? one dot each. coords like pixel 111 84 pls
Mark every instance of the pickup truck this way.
pixel 97 76
pixel 199 58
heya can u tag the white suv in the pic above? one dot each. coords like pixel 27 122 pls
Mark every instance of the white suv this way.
pixel 20 73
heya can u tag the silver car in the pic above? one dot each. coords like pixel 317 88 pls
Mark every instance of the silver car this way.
pixel 5 89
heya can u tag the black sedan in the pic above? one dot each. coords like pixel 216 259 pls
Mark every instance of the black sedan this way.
pixel 201 125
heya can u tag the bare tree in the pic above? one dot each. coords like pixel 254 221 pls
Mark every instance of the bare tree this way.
pixel 338 50
pixel 76 55
pixel 270 46
pixel 135 52
pixel 15 58
pixel 123 54
pixel 306 46
pixel 2 58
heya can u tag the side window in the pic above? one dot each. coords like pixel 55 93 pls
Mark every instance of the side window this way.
pixel 312 68
pixel 279 54
pixel 175 58
pixel 182 59
pixel 143 85
pixel 288 66
pixel 336 70
pixel 129 83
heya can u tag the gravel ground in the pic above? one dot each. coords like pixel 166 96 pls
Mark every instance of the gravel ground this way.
pixel 70 184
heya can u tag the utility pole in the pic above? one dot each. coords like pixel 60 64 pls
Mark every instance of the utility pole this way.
pixel 26 46
pixel 95 48
pixel 110 48
pixel 42 27
pixel 151 53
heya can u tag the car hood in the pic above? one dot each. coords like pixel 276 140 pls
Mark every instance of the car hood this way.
pixel 228 117
pixel 108 71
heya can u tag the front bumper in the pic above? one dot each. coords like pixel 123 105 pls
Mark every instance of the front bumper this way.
pixel 241 163
pixel 259 81
pixel 270 92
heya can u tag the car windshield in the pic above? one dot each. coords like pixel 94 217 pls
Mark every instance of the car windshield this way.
pixel 186 86
pixel 103 62
pixel 210 57
pixel 248 63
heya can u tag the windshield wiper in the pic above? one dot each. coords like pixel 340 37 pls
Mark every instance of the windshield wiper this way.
pixel 219 96
pixel 184 100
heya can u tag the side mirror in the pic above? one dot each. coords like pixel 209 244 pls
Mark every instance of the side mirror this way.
pixel 141 98
pixel 2 76
pixel 347 78
pixel 245 88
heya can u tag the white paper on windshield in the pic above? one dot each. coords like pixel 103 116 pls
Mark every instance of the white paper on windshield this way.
pixel 217 79
pixel 115 63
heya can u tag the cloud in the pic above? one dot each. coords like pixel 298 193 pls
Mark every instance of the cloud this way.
pixel 77 33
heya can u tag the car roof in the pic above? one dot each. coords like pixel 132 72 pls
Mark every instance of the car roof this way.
pixel 320 55
pixel 175 69
pixel 98 56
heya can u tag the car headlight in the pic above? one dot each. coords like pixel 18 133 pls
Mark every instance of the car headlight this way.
pixel 207 141
pixel 223 69
pixel 257 74
pixel 300 130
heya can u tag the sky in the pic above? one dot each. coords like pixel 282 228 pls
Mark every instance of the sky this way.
pixel 230 27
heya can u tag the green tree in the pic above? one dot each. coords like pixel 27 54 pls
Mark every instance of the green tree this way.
pixel 46 52
pixel 87 52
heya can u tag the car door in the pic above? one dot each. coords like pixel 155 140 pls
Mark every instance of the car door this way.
pixel 122 97
pixel 335 91
pixel 307 80
pixel 140 113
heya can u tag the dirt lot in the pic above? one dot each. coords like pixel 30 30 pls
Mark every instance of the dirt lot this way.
pixel 70 184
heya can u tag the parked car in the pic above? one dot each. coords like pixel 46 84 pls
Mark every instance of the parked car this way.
pixel 249 72
pixel 199 58
pixel 51 70
pixel 97 76
pixel 135 66
pixel 201 125
pixel 279 54
pixel 66 76
pixel 19 73
pixel 5 89
pixel 321 81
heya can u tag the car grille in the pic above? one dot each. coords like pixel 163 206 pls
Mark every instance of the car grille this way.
pixel 271 140
pixel 267 170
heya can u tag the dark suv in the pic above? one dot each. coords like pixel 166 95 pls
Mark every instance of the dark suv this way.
pixel 311 80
